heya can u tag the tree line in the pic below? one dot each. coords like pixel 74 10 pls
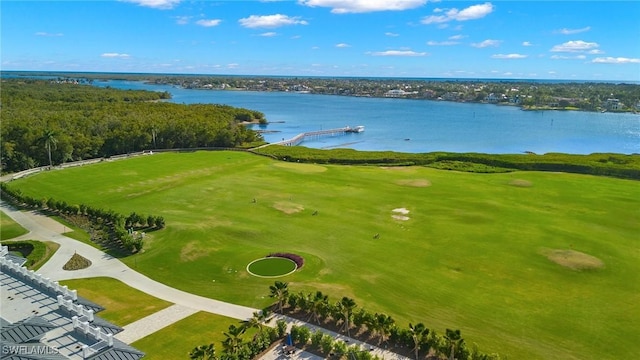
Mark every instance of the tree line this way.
pixel 344 316
pixel 111 229
pixel 49 123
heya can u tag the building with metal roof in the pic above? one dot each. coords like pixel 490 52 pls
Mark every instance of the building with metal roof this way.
pixel 43 320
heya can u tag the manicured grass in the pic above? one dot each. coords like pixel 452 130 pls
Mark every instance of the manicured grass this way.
pixel 472 253
pixel 271 267
pixel 177 340
pixel 123 304
pixel 9 229
pixel 36 252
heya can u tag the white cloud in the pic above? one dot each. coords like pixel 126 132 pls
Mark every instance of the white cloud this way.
pixel 156 4
pixel 564 57
pixel 566 31
pixel 398 53
pixel 363 6
pixel 182 20
pixel 209 23
pixel 487 43
pixel 271 21
pixel 115 55
pixel 508 56
pixel 442 43
pixel 457 37
pixel 343 45
pixel 46 34
pixel 471 13
pixel 575 46
pixel 526 43
pixel 269 34
pixel 615 60
pixel 391 34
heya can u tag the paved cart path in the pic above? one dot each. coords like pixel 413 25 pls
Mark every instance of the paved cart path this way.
pixel 43 228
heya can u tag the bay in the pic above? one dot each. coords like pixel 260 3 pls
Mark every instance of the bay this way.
pixel 420 125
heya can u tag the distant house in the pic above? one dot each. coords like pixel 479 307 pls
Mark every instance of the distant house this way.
pixel 613 104
pixel 41 319
pixel 395 93
pixel 491 98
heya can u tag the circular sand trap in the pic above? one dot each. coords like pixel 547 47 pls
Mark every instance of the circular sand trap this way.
pixel 271 267
pixel 521 183
pixel 288 207
pixel 574 260
pixel 414 182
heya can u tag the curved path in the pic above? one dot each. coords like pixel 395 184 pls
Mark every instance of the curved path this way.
pixel 44 228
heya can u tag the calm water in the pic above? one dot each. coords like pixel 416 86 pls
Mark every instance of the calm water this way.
pixel 423 126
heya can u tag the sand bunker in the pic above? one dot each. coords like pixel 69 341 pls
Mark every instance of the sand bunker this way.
pixel 521 183
pixel 402 211
pixel 288 207
pixel 574 260
pixel 414 182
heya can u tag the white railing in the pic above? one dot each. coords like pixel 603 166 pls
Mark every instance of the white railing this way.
pixel 77 309
pixel 104 340
pixel 36 278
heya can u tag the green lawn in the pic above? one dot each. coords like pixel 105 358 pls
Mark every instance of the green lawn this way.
pixel 9 229
pixel 471 254
pixel 123 304
pixel 177 340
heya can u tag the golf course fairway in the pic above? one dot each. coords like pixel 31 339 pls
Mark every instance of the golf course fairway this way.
pixel 530 265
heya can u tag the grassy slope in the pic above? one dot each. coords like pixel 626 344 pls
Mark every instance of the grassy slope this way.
pixel 468 258
pixel 9 229
pixel 123 304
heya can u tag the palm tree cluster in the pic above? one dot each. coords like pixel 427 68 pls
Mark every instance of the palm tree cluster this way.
pixel 236 347
pixel 345 316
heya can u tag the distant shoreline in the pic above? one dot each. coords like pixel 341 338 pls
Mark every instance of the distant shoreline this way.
pixel 528 95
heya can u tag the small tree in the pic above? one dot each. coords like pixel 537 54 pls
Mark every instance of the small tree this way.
pixel 203 352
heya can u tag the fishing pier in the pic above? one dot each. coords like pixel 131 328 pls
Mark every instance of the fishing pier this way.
pixel 296 140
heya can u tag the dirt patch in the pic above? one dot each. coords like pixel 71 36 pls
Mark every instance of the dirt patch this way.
pixel 193 251
pixel 574 260
pixel 414 182
pixel 521 183
pixel 288 207
pixel 301 167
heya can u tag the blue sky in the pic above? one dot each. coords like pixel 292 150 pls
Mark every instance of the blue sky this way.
pixel 581 40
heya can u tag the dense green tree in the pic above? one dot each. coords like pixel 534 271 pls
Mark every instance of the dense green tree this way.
pixel 233 341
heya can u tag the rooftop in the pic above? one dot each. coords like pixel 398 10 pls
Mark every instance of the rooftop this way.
pixel 40 319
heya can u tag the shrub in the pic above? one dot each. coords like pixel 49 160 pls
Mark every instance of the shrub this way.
pixel 299 260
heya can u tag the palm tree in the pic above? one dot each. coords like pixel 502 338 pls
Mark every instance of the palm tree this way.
pixel 454 338
pixel 280 291
pixel 382 325
pixel 346 306
pixel 203 352
pixel 316 305
pixel 257 321
pixel 418 334
pixel 233 341
pixel 49 140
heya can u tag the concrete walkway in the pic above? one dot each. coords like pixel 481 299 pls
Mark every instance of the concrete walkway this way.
pixel 44 228
pixel 154 322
